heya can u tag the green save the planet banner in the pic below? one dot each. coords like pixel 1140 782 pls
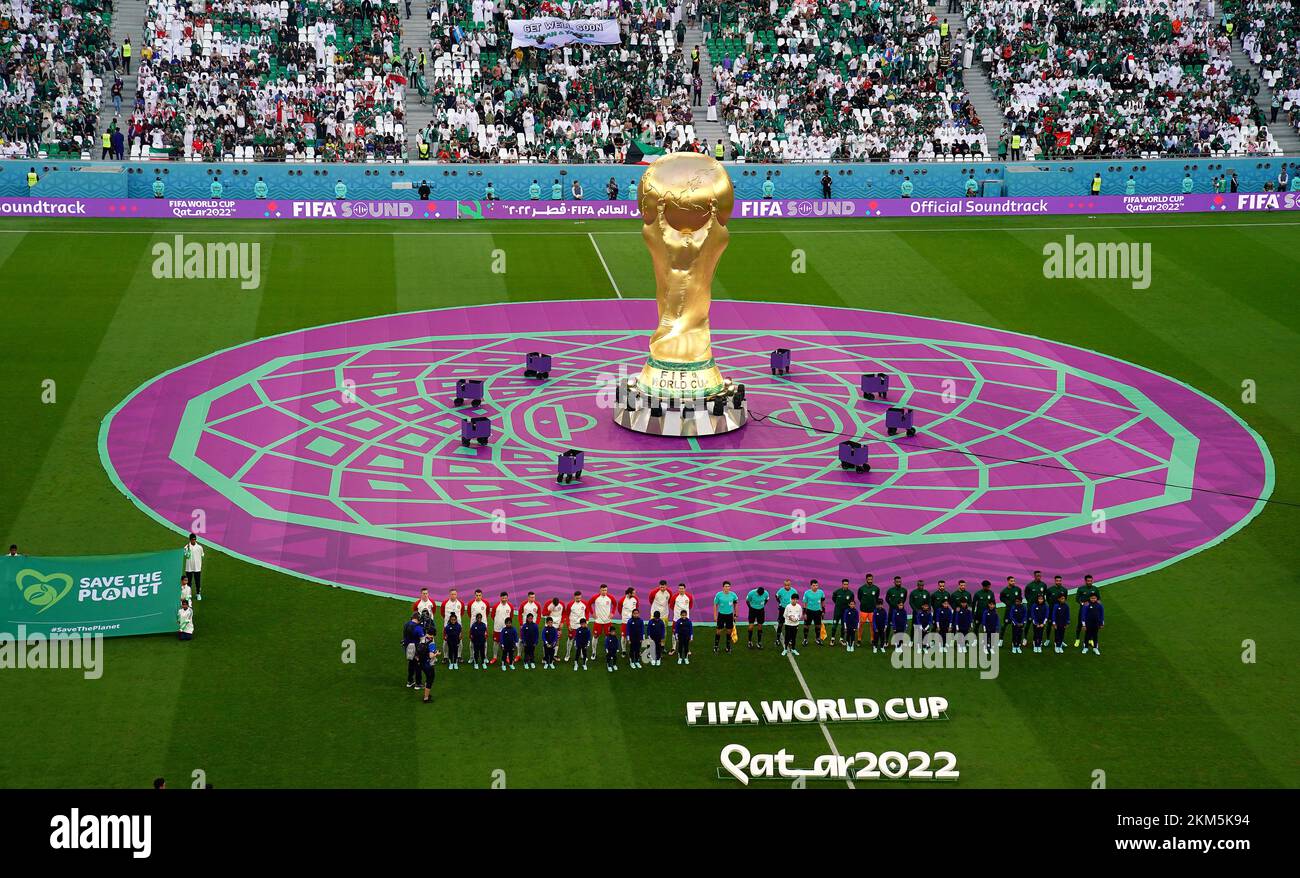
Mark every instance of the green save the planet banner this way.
pixel 112 595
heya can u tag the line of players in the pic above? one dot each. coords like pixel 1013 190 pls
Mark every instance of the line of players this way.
pixel 617 623
pixel 933 619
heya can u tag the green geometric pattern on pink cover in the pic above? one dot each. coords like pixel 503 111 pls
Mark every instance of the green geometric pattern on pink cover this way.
pixel 283 442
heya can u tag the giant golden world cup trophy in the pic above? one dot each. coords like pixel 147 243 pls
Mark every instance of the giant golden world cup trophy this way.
pixel 685 201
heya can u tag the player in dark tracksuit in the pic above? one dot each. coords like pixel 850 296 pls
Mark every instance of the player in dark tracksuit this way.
pixel 528 635
pixel 509 641
pixel 1094 617
pixel 612 649
pixel 989 623
pixel 943 621
pixel 879 626
pixel 682 631
pixel 582 645
pixel 656 631
pixel 635 634
pixel 963 618
pixel 478 642
pixel 550 643
pixel 1018 616
pixel 1039 615
pixel 922 624
pixel 451 640
pixel 1060 618
pixel 850 619
pixel 898 626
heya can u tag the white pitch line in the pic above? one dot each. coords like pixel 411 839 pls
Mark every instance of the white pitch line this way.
pixel 807 693
pixel 609 274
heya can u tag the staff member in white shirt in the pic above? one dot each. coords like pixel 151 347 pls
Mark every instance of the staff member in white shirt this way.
pixel 194 565
pixel 185 621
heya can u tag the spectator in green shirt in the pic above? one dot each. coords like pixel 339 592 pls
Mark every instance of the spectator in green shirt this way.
pixel 340 190
pixel 259 188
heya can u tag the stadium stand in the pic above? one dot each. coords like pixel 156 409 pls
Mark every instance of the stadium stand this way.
pixel 244 81
pixel 1134 78
pixel 1270 38
pixel 815 81
pixel 53 59
pixel 576 104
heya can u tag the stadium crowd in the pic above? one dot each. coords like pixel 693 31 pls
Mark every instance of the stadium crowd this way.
pixel 626 628
pixel 54 55
pixel 1271 39
pixel 574 104
pixel 851 81
pixel 234 79
pixel 1125 77
pixel 793 80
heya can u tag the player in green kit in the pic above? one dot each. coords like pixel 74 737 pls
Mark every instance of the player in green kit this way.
pixel 756 600
pixel 961 597
pixel 917 598
pixel 940 595
pixel 724 615
pixel 896 595
pixel 1008 597
pixel 980 600
pixel 1056 590
pixel 783 596
pixel 868 594
pixel 1036 587
pixel 840 599
pixel 1081 596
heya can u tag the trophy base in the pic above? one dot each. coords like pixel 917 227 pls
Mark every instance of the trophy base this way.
pixel 656 417
pixel 670 380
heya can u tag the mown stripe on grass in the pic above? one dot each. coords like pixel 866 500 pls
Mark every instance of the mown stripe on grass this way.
pixel 59 298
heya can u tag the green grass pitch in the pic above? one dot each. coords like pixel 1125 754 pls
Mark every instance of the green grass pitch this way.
pixel 261 698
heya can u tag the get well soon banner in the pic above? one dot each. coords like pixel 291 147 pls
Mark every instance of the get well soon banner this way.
pixel 112 595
